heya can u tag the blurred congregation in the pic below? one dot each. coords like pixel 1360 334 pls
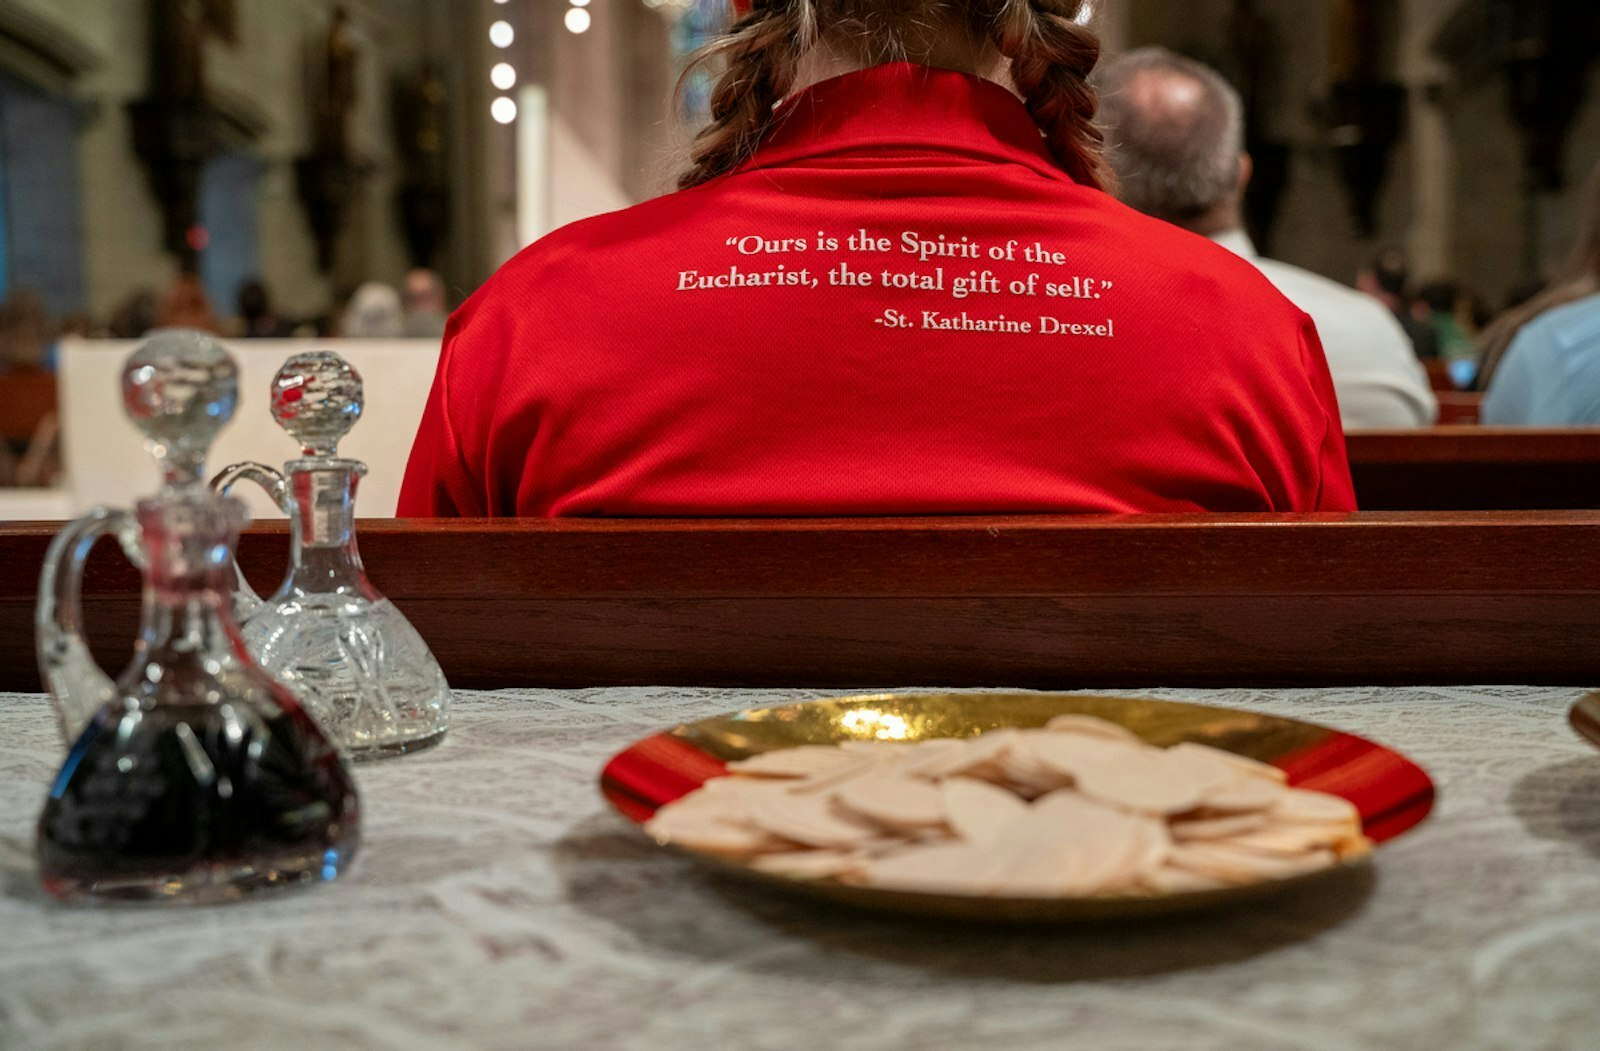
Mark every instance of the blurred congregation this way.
pixel 1422 176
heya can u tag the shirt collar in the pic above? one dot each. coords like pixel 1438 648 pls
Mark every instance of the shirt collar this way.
pixel 1236 241
pixel 905 108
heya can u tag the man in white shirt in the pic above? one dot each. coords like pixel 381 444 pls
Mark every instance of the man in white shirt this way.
pixel 1175 137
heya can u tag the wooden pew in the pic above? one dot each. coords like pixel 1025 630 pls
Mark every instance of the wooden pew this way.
pixel 1439 377
pixel 1476 468
pixel 1459 407
pixel 1017 601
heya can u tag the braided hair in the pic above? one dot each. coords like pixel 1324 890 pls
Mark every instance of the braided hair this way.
pixel 762 52
pixel 1051 57
pixel 1049 52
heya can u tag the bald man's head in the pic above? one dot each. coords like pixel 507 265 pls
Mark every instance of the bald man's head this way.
pixel 1174 135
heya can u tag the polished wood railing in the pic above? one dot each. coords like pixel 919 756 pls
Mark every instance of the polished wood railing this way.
pixel 1476 468
pixel 1457 407
pixel 1019 601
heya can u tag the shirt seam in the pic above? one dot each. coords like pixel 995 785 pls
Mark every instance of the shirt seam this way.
pixel 1327 418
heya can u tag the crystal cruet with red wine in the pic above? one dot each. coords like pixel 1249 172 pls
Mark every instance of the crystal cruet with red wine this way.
pixel 196 776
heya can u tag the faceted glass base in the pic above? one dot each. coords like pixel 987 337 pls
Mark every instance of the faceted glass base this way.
pixel 212 884
pixel 390 749
pixel 359 667
pixel 197 802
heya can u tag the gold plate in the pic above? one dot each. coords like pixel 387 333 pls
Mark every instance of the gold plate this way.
pixel 1392 793
pixel 1585 718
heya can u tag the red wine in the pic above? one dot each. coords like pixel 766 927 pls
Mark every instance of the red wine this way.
pixel 201 802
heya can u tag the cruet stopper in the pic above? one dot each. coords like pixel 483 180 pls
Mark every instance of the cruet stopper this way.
pixel 180 389
pixel 196 776
pixel 316 398
pixel 327 632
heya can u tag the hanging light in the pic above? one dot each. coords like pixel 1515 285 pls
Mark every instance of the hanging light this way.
pixel 503 76
pixel 577 20
pixel 501 34
pixel 503 110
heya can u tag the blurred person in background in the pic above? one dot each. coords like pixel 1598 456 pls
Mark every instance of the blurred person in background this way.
pixel 1578 278
pixel 1521 292
pixel 1446 307
pixel 78 325
pixel 27 343
pixel 134 316
pixel 257 319
pixel 1456 316
pixel 29 423
pixel 1540 363
pixel 374 312
pixel 427 305
pixel 1550 374
pixel 1175 138
pixel 186 305
pixel 1387 281
pixel 329 322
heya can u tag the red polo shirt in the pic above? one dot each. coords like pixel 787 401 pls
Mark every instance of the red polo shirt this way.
pixel 898 306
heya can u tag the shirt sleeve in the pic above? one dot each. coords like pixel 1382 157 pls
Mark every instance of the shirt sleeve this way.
pixel 438 483
pixel 1334 489
pixel 1513 397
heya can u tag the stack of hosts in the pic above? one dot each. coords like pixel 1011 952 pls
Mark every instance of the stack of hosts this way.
pixel 886 287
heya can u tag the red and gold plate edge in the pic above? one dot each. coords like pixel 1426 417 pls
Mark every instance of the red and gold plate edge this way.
pixel 1392 793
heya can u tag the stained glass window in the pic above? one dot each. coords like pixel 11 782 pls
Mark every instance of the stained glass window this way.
pixel 699 23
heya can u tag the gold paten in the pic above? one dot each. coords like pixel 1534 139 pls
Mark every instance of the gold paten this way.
pixel 1585 718
pixel 913 717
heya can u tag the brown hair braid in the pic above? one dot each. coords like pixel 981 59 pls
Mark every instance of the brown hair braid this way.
pixel 1050 54
pixel 1051 59
pixel 762 51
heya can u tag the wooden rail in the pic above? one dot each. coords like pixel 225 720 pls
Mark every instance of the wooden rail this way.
pixel 1019 601
pixel 1475 469
pixel 1458 407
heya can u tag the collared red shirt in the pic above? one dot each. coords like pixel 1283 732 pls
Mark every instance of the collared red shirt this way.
pixel 898 305
pixel 1379 380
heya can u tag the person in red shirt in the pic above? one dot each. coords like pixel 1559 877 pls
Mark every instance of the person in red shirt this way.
pixel 886 287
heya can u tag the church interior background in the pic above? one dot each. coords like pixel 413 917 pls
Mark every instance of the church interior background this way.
pixel 316 145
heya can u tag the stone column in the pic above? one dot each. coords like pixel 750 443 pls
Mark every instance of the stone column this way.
pixel 479 151
pixel 1429 241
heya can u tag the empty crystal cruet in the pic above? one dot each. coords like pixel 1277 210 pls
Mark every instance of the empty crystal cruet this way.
pixel 196 776
pixel 327 632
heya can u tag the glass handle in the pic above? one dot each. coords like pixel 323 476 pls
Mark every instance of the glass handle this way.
pixel 246 603
pixel 77 685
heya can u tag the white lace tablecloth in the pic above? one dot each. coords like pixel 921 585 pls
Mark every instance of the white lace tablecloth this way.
pixel 497 903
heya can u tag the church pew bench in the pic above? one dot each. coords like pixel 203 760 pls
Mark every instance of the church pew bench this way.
pixel 1476 468
pixel 1016 601
pixel 1458 407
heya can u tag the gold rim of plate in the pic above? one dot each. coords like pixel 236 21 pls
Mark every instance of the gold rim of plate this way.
pixel 1393 793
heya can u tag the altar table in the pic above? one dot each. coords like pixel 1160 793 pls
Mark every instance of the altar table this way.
pixel 498 903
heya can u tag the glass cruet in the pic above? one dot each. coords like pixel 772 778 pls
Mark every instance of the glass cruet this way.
pixel 195 777
pixel 327 632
